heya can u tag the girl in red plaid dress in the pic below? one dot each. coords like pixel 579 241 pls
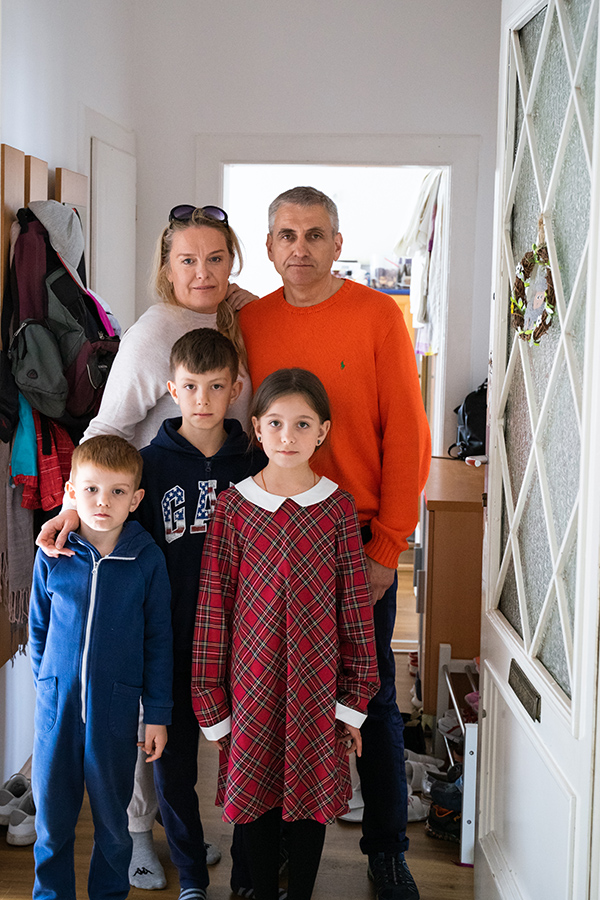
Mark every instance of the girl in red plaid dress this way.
pixel 284 655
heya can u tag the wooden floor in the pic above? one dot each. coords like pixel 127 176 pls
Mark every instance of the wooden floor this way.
pixel 342 875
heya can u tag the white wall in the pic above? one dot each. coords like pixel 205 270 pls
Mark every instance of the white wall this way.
pixel 319 67
pixel 57 60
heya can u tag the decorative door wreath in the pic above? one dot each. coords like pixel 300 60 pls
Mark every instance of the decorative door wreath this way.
pixel 532 302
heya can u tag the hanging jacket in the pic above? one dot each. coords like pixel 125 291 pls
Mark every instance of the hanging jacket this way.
pixel 181 487
pixel 100 627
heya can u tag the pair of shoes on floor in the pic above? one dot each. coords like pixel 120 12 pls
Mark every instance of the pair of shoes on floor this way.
pixel 11 792
pixel 448 724
pixel 473 700
pixel 413 663
pixel 391 877
pixel 418 809
pixel 423 758
pixel 448 796
pixel 417 775
pixel 443 824
pixel 21 825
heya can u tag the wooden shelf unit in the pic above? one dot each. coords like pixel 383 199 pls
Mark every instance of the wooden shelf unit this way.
pixel 449 586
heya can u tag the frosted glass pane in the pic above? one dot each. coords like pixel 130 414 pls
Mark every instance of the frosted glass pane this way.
pixel 588 79
pixel 577 13
pixel 535 553
pixel 529 39
pixel 550 101
pixel 541 359
pixel 577 333
pixel 552 649
pixel 571 212
pixel 509 601
pixel 562 449
pixel 570 580
pixel 526 210
pixel 517 431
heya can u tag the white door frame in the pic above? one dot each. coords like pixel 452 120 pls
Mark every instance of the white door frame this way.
pixel 493 879
pixel 461 153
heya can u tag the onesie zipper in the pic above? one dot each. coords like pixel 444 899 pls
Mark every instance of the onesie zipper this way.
pixel 88 632
pixel 88 626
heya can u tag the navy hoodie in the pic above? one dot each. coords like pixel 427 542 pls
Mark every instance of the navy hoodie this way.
pixel 181 487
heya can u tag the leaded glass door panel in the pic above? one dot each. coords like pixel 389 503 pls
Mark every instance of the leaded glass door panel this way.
pixel 539 630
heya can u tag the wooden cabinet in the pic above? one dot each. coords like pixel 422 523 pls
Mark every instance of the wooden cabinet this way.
pixel 449 584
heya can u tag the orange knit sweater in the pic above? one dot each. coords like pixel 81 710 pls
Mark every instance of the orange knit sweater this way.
pixel 379 445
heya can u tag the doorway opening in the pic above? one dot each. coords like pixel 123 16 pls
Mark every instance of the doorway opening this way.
pixel 376 204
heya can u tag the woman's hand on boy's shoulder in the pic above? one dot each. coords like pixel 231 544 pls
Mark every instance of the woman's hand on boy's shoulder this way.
pixel 53 533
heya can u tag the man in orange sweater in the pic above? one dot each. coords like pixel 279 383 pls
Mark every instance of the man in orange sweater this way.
pixel 356 341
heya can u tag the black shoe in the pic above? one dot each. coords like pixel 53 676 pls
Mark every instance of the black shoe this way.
pixel 391 877
pixel 443 824
pixel 448 796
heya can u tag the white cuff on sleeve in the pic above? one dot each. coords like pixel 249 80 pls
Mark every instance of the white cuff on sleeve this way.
pixel 351 716
pixel 216 732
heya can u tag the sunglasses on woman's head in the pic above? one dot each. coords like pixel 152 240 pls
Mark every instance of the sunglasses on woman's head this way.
pixel 184 212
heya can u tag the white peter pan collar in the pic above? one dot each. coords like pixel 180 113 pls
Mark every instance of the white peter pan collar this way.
pixel 249 489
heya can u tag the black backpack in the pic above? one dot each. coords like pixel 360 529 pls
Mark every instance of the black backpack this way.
pixel 471 414
pixel 60 350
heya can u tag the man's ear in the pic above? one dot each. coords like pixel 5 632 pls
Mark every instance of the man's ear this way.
pixel 236 390
pixel 270 246
pixel 338 241
pixel 173 391
pixel 137 499
pixel 70 489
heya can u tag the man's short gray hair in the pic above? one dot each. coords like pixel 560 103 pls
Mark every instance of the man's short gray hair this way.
pixel 305 196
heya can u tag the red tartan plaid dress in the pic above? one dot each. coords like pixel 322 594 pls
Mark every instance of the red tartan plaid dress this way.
pixel 283 644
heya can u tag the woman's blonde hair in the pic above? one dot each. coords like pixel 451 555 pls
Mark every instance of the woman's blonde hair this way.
pixel 227 322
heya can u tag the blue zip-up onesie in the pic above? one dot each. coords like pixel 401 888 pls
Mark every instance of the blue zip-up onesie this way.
pixel 100 639
pixel 181 487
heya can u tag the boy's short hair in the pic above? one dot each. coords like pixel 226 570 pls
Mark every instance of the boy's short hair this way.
pixel 204 350
pixel 108 451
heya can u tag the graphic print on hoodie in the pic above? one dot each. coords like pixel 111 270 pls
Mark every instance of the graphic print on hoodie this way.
pixel 181 487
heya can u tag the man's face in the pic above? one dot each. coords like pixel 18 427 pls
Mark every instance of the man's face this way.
pixel 302 246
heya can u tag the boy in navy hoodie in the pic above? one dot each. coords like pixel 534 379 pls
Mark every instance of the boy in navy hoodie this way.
pixel 100 639
pixel 189 462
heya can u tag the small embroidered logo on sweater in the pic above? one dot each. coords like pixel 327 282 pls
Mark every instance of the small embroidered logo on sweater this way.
pixel 343 365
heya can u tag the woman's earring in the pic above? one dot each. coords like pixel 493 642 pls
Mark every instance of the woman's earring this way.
pixel 318 442
pixel 258 438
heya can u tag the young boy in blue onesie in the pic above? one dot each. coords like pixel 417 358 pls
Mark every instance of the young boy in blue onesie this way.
pixel 100 639
pixel 189 462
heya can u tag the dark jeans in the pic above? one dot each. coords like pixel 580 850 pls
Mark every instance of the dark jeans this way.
pixel 175 776
pixel 381 766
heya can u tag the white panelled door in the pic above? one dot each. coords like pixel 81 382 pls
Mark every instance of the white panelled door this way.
pixel 539 656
